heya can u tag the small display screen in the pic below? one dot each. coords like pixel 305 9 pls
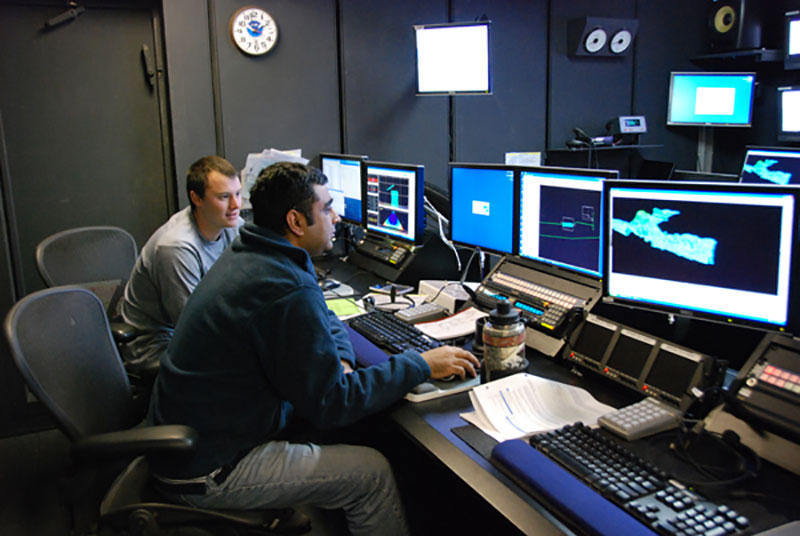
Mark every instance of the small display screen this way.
pixel 672 373
pixel 593 341
pixel 629 356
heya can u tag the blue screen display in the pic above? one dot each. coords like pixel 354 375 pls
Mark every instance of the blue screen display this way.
pixel 482 212
pixel 723 99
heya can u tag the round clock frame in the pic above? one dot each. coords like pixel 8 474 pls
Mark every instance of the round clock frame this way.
pixel 253 30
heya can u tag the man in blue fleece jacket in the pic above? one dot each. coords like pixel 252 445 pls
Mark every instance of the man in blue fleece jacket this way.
pixel 256 345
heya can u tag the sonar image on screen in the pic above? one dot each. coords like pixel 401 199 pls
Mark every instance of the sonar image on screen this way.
pixel 766 166
pixel 686 245
pixel 731 246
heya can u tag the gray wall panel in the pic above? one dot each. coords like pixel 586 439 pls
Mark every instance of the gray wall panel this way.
pixel 190 85
pixel 585 92
pixel 513 118
pixel 384 117
pixel 289 97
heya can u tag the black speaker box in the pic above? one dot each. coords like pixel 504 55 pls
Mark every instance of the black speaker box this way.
pixel 596 36
pixel 734 25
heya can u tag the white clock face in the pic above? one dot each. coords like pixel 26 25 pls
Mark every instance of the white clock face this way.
pixel 253 30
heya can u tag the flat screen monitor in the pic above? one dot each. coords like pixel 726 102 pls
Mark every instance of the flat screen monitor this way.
pixel 453 58
pixel 482 212
pixel 711 99
pixel 791 58
pixel 771 165
pixel 789 113
pixel 715 251
pixel 394 200
pixel 559 216
pixel 344 184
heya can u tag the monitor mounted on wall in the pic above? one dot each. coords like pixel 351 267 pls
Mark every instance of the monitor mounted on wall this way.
pixel 791 56
pixel 789 113
pixel 453 58
pixel 711 99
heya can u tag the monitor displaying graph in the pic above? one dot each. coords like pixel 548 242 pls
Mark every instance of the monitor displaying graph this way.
pixel 560 216
pixel 771 165
pixel 393 202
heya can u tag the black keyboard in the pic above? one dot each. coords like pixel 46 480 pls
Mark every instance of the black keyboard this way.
pixel 392 334
pixel 637 486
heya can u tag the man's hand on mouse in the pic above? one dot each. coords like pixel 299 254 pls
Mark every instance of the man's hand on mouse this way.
pixel 448 360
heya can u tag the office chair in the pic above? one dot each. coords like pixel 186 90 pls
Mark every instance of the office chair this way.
pixel 61 344
pixel 97 258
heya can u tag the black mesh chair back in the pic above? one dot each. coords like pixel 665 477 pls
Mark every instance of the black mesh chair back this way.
pixel 61 343
pixel 98 258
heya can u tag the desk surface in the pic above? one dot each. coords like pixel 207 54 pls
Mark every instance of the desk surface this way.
pixel 769 501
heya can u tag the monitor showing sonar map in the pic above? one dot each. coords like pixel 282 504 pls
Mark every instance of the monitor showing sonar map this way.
pixel 716 251
pixel 771 165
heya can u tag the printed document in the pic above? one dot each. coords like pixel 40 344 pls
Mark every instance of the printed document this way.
pixel 522 405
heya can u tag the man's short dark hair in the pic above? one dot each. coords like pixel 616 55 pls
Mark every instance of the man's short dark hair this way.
pixel 281 187
pixel 197 176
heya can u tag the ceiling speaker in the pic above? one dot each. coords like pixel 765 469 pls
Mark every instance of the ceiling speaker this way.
pixel 596 36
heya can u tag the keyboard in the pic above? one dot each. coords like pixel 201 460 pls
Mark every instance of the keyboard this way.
pixel 390 333
pixel 542 307
pixel 636 485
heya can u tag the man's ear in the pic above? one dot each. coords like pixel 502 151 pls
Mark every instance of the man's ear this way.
pixel 295 221
pixel 195 199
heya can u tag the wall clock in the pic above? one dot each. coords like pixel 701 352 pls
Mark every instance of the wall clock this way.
pixel 253 30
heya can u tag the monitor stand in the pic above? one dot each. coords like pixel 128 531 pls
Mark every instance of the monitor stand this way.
pixel 400 262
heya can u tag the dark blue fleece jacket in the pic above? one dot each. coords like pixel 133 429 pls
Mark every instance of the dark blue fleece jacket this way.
pixel 256 343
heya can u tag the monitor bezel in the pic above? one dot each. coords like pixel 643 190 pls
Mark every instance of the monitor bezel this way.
pixel 488 25
pixel 604 174
pixel 790 61
pixel 792 322
pixel 343 156
pixel 514 201
pixel 720 74
pixel 419 200
pixel 787 135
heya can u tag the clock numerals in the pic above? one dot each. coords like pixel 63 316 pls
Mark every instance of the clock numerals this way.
pixel 253 30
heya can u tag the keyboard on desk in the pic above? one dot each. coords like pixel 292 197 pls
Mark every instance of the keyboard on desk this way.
pixel 637 486
pixel 542 307
pixel 390 333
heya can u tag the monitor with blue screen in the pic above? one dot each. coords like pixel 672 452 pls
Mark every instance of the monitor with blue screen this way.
pixel 394 197
pixel 560 216
pixel 715 251
pixel 482 212
pixel 771 165
pixel 344 184
pixel 711 99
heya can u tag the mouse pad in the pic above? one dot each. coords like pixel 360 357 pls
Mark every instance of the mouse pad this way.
pixel 475 438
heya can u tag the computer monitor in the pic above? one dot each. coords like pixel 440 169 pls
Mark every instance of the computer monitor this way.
pixel 453 58
pixel 559 216
pixel 482 212
pixel 711 99
pixel 791 57
pixel 344 184
pixel 789 113
pixel 771 165
pixel 655 170
pixel 394 200
pixel 713 251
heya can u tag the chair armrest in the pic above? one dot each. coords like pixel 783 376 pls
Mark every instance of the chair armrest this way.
pixel 123 332
pixel 163 439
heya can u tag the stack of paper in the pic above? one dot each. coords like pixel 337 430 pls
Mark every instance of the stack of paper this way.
pixel 522 405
